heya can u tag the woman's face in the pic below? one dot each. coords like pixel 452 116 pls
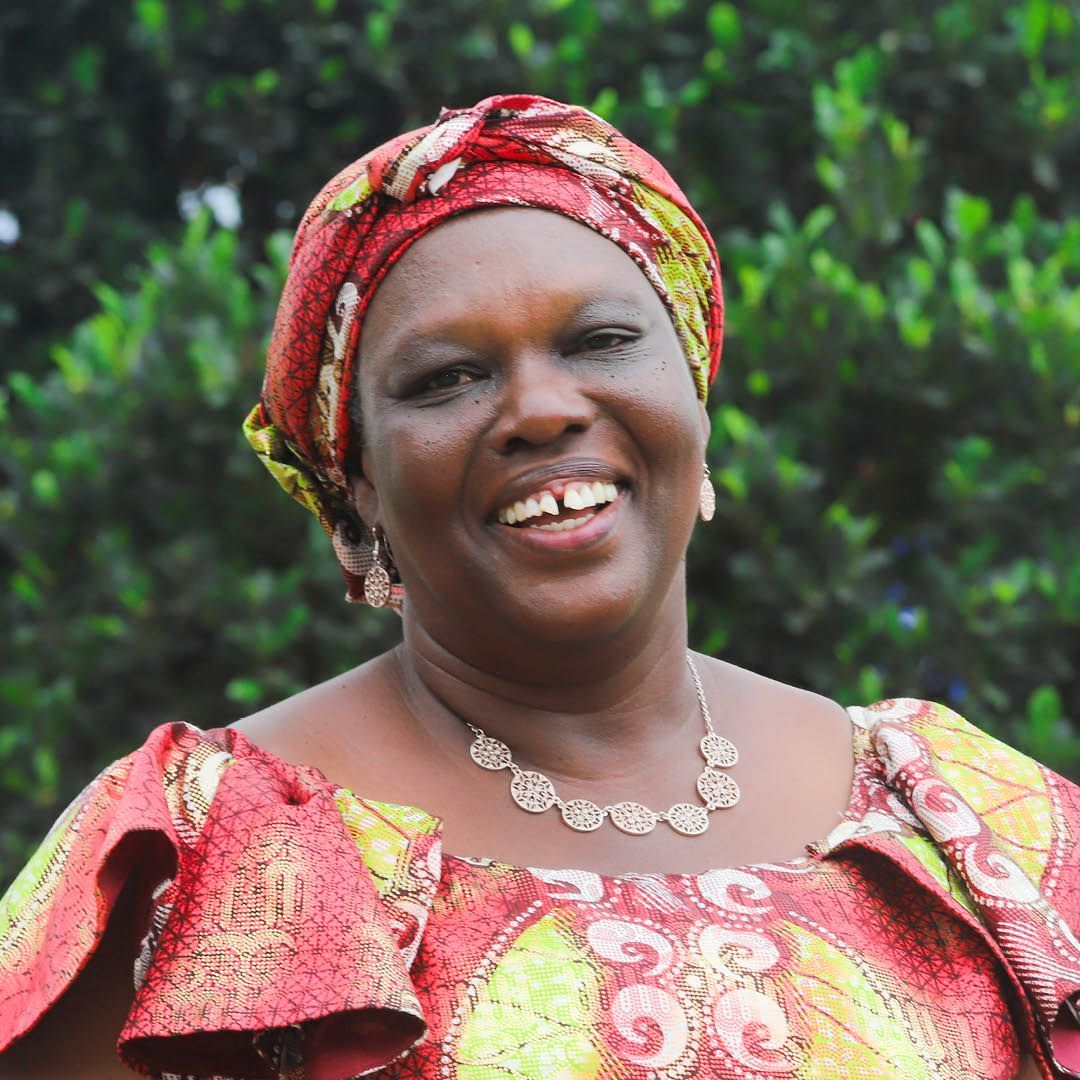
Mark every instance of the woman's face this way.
pixel 516 368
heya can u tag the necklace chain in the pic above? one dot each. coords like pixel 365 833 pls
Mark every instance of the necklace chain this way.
pixel 534 792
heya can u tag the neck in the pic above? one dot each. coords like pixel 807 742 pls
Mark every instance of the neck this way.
pixel 583 714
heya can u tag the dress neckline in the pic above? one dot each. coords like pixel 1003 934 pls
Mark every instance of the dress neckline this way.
pixel 860 751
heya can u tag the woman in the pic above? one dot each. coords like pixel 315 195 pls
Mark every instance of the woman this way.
pixel 487 379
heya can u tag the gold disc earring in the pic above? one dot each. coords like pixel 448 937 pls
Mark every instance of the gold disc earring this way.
pixel 376 580
pixel 707 498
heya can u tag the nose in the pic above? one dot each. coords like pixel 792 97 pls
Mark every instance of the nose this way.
pixel 542 400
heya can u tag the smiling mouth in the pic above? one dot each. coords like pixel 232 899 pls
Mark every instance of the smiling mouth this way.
pixel 560 507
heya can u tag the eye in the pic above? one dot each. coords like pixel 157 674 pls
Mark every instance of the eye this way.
pixel 604 340
pixel 451 378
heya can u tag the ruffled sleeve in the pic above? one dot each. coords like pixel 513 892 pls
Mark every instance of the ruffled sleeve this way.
pixel 1009 829
pixel 272 938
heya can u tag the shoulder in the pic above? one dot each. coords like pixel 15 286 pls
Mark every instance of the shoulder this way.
pixel 177 772
pixel 908 729
pixel 916 739
pixel 752 689
pixel 341 727
pixel 790 740
pixel 208 829
pixel 961 781
pixel 1004 825
pixel 1008 828
pixel 776 712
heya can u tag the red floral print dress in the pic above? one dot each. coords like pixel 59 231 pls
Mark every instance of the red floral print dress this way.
pixel 298 930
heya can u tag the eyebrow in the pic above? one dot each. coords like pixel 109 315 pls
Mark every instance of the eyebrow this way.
pixel 440 338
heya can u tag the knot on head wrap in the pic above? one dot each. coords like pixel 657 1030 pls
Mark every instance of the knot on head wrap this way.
pixel 508 150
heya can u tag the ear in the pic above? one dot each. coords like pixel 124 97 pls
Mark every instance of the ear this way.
pixel 365 499
pixel 706 421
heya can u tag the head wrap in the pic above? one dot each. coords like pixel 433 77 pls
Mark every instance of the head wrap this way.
pixel 508 150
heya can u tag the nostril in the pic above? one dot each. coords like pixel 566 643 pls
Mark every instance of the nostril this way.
pixel 541 403
pixel 540 431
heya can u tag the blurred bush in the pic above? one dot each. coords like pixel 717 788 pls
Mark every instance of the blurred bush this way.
pixel 895 429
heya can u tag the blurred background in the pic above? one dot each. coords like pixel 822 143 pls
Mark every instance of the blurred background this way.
pixel 893 191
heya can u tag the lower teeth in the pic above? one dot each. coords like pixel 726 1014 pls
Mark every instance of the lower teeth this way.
pixel 562 526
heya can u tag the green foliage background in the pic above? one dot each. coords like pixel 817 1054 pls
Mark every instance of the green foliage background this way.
pixel 892 189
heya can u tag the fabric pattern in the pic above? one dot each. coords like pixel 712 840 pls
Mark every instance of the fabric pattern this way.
pixel 296 929
pixel 508 150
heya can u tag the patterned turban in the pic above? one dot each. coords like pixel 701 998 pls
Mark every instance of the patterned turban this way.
pixel 508 150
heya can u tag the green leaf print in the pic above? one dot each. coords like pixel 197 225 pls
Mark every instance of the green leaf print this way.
pixel 535 1017
pixel 853 1028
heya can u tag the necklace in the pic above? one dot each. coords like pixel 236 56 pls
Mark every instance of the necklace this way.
pixel 534 792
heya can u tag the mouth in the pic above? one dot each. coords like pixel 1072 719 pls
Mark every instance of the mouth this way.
pixel 560 506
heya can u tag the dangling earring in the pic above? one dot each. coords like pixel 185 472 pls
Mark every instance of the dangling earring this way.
pixel 376 580
pixel 707 498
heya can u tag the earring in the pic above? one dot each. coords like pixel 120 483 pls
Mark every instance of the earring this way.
pixel 376 580
pixel 707 498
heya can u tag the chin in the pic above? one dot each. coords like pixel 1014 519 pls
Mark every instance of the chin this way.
pixel 574 614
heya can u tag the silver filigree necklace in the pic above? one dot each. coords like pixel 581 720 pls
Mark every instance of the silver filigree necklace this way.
pixel 534 792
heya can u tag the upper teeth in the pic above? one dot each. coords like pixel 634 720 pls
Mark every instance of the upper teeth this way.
pixel 577 496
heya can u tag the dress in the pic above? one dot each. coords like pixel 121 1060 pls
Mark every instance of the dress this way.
pixel 295 929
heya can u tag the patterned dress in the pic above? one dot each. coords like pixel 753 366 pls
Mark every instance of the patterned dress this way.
pixel 297 930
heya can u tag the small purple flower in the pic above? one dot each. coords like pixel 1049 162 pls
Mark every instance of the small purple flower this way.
pixel 957 691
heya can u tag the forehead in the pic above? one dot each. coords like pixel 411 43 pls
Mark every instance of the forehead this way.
pixel 496 257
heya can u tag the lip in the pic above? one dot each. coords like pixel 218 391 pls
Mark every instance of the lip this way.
pixel 592 534
pixel 554 477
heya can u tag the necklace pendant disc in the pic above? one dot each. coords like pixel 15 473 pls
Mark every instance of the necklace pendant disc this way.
pixel 717 790
pixel 688 819
pixel 718 751
pixel 532 791
pixel 633 818
pixel 582 815
pixel 489 753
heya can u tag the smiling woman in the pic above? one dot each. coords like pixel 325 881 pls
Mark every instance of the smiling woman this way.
pixel 539 837
pixel 489 385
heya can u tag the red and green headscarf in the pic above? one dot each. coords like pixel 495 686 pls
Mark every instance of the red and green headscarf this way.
pixel 508 150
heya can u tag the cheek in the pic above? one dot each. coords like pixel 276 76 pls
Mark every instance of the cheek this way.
pixel 671 438
pixel 417 468
pixel 669 413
